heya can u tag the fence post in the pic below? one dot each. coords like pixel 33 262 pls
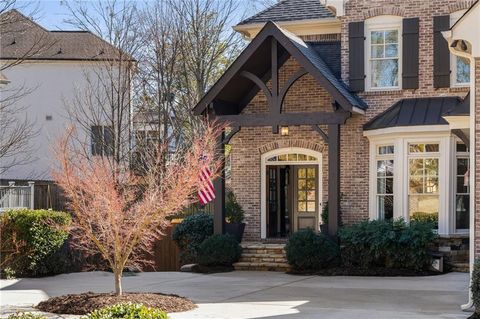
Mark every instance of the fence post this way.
pixel 10 194
pixel 32 194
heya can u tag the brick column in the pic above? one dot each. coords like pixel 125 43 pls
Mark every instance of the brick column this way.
pixel 477 156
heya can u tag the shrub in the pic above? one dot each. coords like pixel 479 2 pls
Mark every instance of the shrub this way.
pixel 309 251
pixel 127 311
pixel 31 241
pixel 26 315
pixel 234 212
pixel 390 244
pixel 219 250
pixel 190 233
pixel 475 287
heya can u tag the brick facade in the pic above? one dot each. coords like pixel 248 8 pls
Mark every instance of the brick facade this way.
pixel 306 95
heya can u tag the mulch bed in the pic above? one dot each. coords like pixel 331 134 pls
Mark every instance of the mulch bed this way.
pixel 82 304
pixel 373 272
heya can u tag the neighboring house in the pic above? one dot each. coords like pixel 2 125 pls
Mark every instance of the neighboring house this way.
pixel 53 68
pixel 358 104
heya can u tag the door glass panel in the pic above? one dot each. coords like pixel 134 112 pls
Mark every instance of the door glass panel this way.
pixel 302 206
pixel 311 207
pixel 302 173
pixel 302 184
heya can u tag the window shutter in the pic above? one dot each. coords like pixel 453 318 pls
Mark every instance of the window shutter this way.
pixel 441 54
pixel 410 53
pixel 356 47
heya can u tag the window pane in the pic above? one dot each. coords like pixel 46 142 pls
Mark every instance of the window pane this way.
pixel 462 147
pixel 416 185
pixel 302 173
pixel 381 185
pixel 377 37
pixel 417 148
pixel 311 173
pixel 311 184
pixel 385 73
pixel 302 206
pixel 389 149
pixel 416 167
pixel 432 148
pixel 310 206
pixel 302 196
pixel 312 158
pixel 431 166
pixel 462 217
pixel 461 187
pixel 292 157
pixel 96 133
pixel 378 51
pixel 302 184
pixel 423 208
pixel 391 50
pixel 462 166
pixel 311 195
pixel 391 36
pixel 282 158
pixel 302 157
pixel 385 207
pixel 463 70
pixel 431 185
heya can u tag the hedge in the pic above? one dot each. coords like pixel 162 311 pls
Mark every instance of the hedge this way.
pixel 219 250
pixel 31 241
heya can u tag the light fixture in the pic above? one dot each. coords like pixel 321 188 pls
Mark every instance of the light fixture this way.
pixel 284 130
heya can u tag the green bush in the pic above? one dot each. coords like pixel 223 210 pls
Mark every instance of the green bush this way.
pixel 309 251
pixel 219 250
pixel 391 244
pixel 26 315
pixel 31 241
pixel 190 233
pixel 475 286
pixel 127 311
pixel 234 212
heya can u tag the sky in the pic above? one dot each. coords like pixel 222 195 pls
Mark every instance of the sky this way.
pixel 52 13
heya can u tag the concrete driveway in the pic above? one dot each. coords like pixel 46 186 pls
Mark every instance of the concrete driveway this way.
pixel 244 295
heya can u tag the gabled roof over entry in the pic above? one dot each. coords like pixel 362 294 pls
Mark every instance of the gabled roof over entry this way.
pixel 291 10
pixel 414 112
pixel 235 92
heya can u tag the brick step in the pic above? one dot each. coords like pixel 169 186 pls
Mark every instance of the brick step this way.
pixel 261 266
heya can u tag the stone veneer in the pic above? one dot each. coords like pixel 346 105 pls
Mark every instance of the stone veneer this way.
pixel 306 95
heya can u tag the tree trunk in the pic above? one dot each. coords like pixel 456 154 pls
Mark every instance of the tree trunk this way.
pixel 118 282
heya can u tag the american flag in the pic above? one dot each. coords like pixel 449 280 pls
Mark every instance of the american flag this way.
pixel 206 192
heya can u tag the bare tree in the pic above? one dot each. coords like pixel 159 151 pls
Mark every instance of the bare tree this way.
pixel 119 214
pixel 20 39
pixel 106 100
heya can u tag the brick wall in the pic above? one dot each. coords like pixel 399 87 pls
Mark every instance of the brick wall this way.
pixel 477 157
pixel 306 95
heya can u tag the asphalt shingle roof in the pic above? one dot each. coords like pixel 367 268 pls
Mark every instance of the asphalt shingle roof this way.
pixel 20 37
pixel 413 112
pixel 291 10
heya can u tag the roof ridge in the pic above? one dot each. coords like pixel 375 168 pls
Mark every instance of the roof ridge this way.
pixel 263 11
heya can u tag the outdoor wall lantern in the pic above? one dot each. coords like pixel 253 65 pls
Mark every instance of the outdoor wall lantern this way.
pixel 284 130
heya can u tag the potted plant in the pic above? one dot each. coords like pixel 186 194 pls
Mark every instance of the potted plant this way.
pixel 234 215
pixel 324 215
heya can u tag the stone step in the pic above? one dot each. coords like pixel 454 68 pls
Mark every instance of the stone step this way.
pixel 248 255
pixel 461 267
pixel 261 266
pixel 262 259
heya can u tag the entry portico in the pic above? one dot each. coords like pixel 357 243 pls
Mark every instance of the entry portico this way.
pixel 251 96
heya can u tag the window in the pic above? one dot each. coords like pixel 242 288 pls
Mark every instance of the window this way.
pixel 101 140
pixel 294 157
pixel 462 188
pixel 383 65
pixel 384 197
pixel 460 66
pixel 423 182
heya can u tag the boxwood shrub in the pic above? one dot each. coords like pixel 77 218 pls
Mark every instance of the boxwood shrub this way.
pixel 31 241
pixel 390 244
pixel 309 251
pixel 190 233
pixel 475 287
pixel 219 250
pixel 127 311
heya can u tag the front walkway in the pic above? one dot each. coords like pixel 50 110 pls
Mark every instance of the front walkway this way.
pixel 244 295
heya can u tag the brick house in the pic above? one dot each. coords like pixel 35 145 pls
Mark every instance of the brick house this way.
pixel 356 104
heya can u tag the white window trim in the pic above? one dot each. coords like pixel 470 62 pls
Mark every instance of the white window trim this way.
pixel 263 178
pixel 454 16
pixel 379 23
pixel 453 208
pixel 400 171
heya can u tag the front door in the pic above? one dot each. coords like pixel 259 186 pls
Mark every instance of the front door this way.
pixel 305 197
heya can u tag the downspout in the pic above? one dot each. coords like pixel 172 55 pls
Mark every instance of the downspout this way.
pixel 448 36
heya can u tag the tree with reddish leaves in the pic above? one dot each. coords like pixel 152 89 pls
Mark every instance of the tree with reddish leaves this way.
pixel 119 212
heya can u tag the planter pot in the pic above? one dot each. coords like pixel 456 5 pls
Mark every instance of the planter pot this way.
pixel 324 229
pixel 235 229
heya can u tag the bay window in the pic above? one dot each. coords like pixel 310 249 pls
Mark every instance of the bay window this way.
pixel 384 197
pixel 462 189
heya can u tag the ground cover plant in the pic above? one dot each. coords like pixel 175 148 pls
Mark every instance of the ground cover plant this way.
pixel 30 242
pixel 127 311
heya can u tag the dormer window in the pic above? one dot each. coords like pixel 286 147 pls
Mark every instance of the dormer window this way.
pixel 383 65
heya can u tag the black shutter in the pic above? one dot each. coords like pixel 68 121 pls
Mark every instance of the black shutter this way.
pixel 356 48
pixel 441 54
pixel 410 53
